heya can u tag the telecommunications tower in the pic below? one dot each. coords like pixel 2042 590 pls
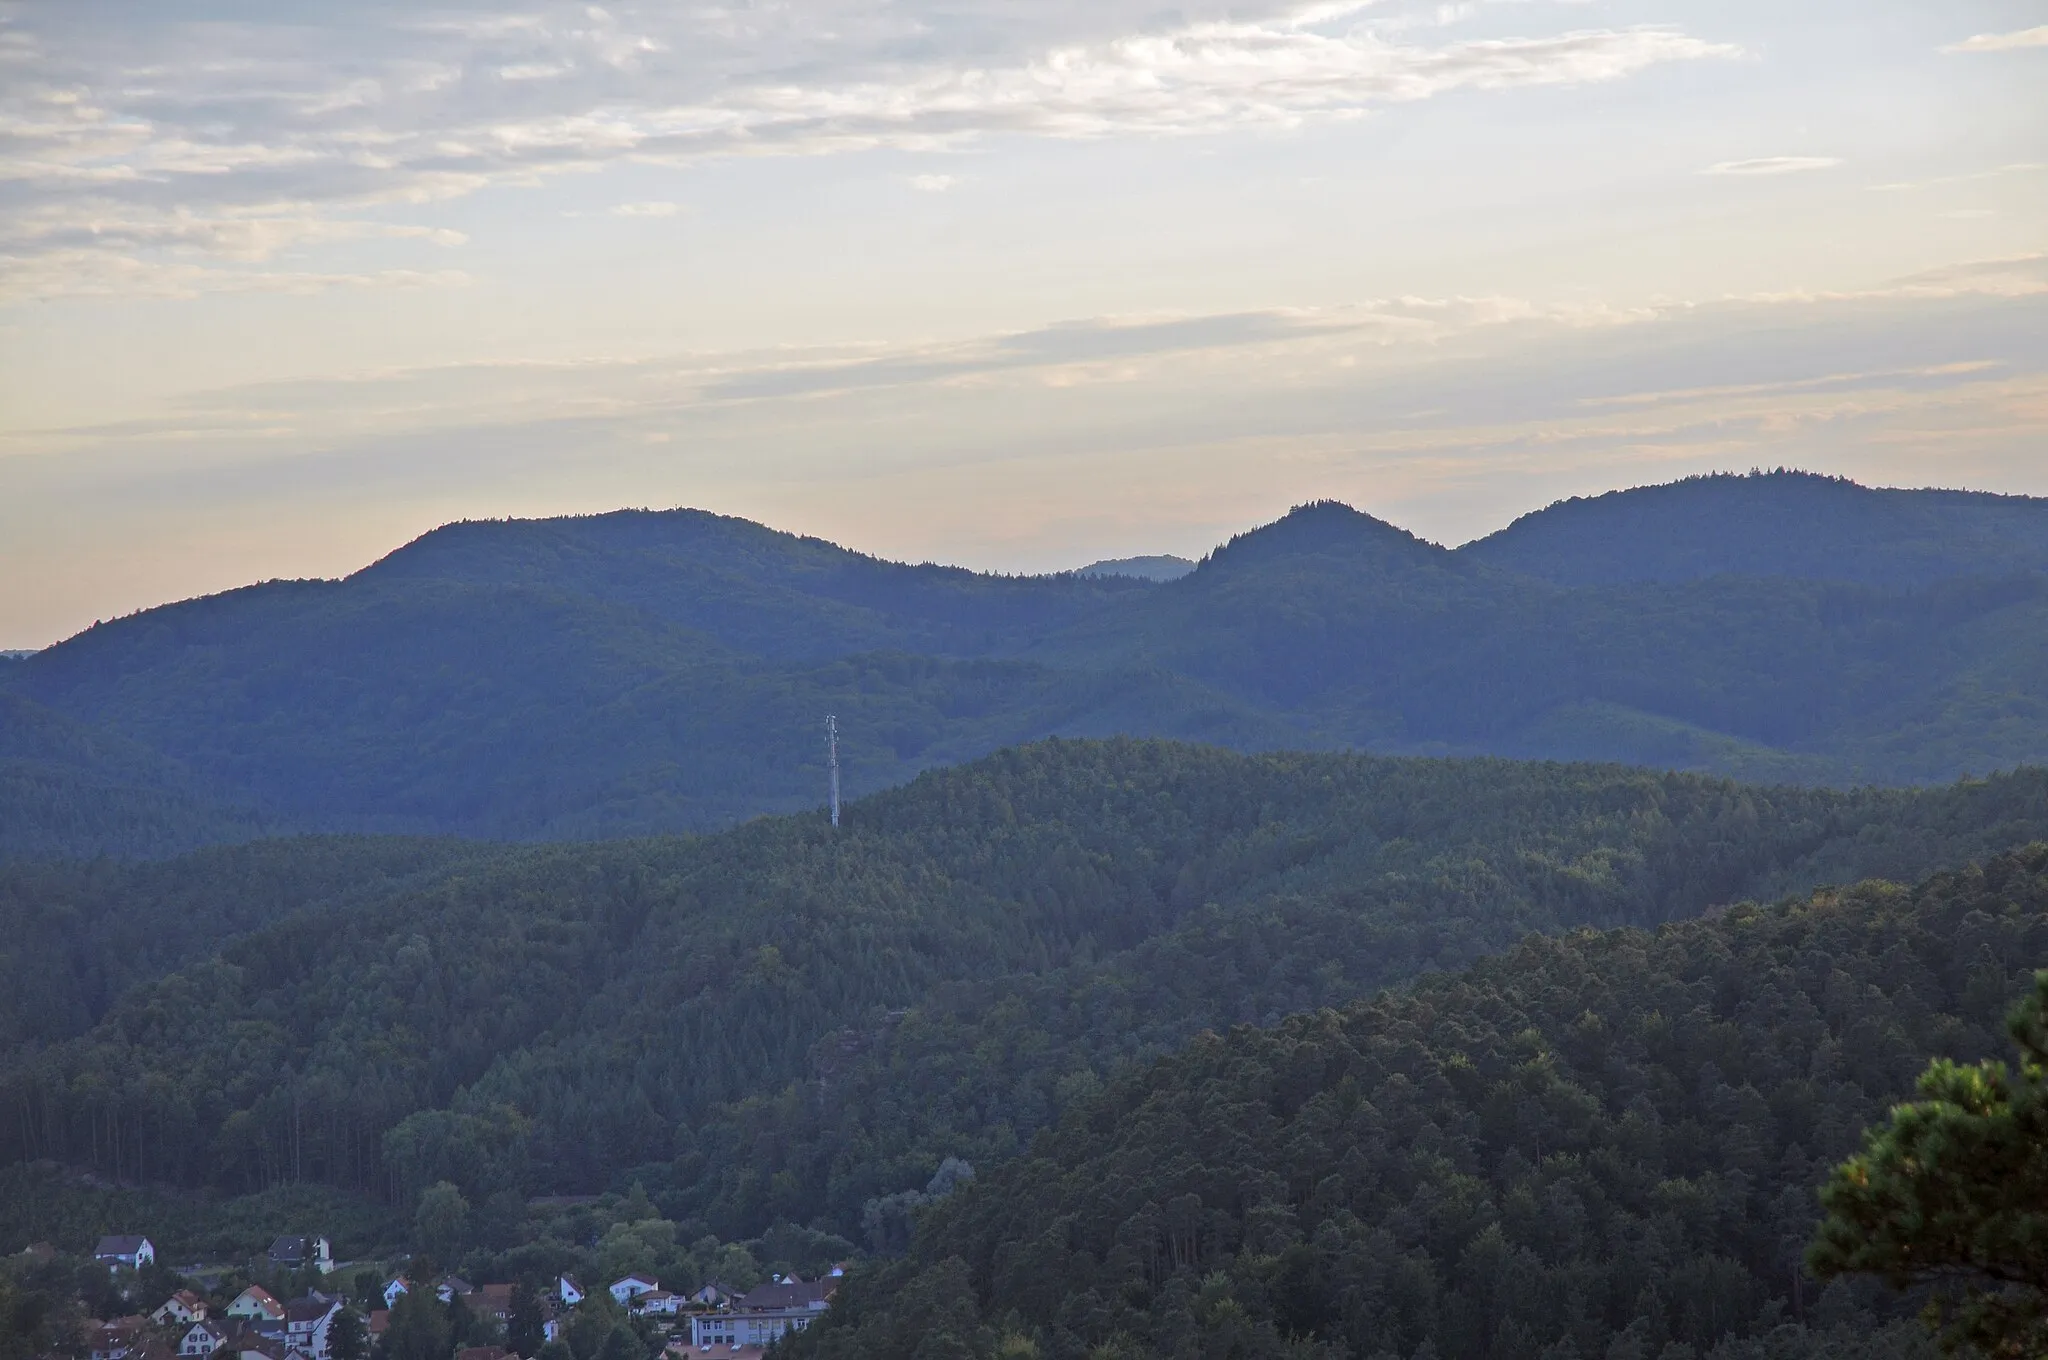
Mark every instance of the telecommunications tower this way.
pixel 832 746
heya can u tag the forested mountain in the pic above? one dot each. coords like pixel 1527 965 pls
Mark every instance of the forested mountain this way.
pixel 1164 567
pixel 791 1023
pixel 651 672
pixel 770 594
pixel 1792 524
pixel 1597 1145
pixel 67 787
pixel 75 936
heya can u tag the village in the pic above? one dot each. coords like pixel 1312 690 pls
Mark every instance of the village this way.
pixel 395 1316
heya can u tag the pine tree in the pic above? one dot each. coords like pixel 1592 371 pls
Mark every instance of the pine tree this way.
pixel 525 1328
pixel 1953 1192
pixel 346 1337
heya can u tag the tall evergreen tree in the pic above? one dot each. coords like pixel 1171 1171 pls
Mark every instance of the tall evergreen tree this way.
pixel 346 1337
pixel 419 1328
pixel 525 1326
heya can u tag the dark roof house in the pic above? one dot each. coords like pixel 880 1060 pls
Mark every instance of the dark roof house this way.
pixel 300 1253
pixel 789 1292
pixel 124 1250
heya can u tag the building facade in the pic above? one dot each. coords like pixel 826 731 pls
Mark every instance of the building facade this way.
pixel 764 1315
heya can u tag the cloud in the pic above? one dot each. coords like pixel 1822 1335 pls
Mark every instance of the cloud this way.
pixel 1773 165
pixel 187 127
pixel 1508 351
pixel 932 184
pixel 1450 415
pixel 1906 186
pixel 99 274
pixel 2002 42
pixel 2014 276
pixel 657 209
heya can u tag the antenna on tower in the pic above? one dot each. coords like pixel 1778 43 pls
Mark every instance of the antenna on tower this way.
pixel 832 745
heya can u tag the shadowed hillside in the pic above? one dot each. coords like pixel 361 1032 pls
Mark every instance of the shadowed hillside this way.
pixel 1599 1145
pixel 1773 524
pixel 648 672
pixel 964 959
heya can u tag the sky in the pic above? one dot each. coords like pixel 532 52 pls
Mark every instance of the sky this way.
pixel 1016 284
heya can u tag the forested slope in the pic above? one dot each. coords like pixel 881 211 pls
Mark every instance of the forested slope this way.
pixel 67 787
pixel 648 672
pixel 785 1022
pixel 1598 1145
pixel 75 936
pixel 1784 524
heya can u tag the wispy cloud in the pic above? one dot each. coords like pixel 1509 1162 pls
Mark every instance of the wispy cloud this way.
pixel 1996 172
pixel 1773 165
pixel 2002 42
pixel 188 129
pixel 654 209
pixel 1463 411
pixel 932 184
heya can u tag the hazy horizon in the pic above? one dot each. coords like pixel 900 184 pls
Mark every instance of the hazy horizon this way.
pixel 1191 553
pixel 1015 287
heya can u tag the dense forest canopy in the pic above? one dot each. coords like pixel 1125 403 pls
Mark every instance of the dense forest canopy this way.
pixel 646 672
pixel 784 1023
pixel 1781 523
pixel 1595 1145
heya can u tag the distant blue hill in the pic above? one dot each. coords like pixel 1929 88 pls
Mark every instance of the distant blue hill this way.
pixel 1158 568
pixel 1792 524
pixel 657 671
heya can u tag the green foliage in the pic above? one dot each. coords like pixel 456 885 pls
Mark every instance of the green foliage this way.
pixel 347 1337
pixel 788 1024
pixel 1953 1190
pixel 75 936
pixel 441 1223
pixel 1601 1145
pixel 525 1326
pixel 639 673
pixel 421 1328
pixel 42 1202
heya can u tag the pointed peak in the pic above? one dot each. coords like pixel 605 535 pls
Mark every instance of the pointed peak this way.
pixel 1326 528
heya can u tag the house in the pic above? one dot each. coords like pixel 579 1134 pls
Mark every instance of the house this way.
pixel 250 1346
pixel 393 1287
pixel 42 1253
pixel 677 1350
pixel 763 1315
pixel 117 1251
pixel 629 1287
pixel 183 1306
pixel 657 1303
pixel 256 1304
pixel 306 1324
pixel 114 1340
pixel 302 1253
pixel 713 1295
pixel 452 1287
pixel 490 1302
pixel 380 1323
pixel 571 1292
pixel 202 1338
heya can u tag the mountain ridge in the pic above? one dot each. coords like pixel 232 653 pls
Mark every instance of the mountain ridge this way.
pixel 1781 523
pixel 650 671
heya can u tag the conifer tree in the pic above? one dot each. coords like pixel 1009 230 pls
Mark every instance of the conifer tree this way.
pixel 1953 1192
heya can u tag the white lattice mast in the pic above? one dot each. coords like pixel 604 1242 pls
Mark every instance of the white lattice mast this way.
pixel 832 746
